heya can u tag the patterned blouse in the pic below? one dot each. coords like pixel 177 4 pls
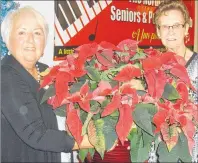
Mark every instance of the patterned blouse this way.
pixel 192 69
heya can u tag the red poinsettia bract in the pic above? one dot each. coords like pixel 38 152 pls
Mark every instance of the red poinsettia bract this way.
pixel 124 100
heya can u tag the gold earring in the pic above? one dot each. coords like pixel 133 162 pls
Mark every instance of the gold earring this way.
pixel 187 38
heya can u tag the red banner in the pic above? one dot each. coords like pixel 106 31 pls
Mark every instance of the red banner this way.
pixel 80 22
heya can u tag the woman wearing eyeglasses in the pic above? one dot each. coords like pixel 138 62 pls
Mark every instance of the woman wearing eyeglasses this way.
pixel 172 23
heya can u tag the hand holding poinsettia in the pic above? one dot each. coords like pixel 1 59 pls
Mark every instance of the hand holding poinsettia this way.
pixel 106 90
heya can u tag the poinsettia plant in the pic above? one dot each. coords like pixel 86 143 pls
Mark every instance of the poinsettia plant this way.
pixel 116 92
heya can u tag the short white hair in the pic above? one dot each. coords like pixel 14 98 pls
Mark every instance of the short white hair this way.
pixel 7 23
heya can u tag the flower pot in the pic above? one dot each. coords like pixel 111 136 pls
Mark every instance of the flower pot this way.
pixel 118 154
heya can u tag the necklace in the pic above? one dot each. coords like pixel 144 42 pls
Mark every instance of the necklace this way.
pixel 38 74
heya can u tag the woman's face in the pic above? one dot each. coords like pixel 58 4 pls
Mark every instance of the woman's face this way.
pixel 172 29
pixel 27 39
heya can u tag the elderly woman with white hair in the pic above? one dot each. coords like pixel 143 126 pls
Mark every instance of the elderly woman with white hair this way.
pixel 29 131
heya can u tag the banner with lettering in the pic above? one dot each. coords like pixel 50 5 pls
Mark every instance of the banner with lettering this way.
pixel 80 22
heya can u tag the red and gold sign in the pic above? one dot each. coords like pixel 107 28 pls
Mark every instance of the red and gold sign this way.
pixel 80 22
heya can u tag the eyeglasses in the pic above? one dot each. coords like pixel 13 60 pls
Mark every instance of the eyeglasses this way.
pixel 175 27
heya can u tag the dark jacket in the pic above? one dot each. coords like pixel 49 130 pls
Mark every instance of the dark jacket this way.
pixel 29 130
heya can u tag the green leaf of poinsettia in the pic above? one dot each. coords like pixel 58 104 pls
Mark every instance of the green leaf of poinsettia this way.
pixel 61 111
pixel 105 103
pixel 48 93
pixel 135 141
pixel 76 87
pixel 180 151
pixel 115 114
pixel 95 106
pixel 82 154
pixel 143 115
pixel 96 135
pixel 83 115
pixel 93 85
pixel 84 128
pixel 147 139
pixel 122 54
pixel 141 92
pixel 109 132
pixel 170 93
pixel 96 117
pixel 140 145
pixel 93 73
pixel 105 76
pixel 139 55
pixel 91 151
pixel 170 135
pixel 109 74
pixel 102 134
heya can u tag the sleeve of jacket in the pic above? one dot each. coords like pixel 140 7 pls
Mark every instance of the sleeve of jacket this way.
pixel 21 110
